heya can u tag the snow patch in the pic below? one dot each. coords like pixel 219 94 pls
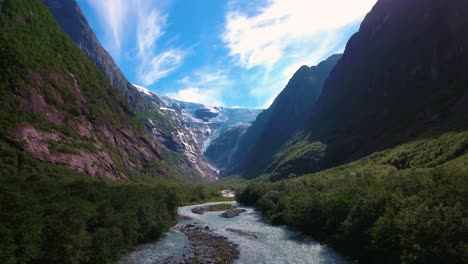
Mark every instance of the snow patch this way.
pixel 143 90
pixel 166 109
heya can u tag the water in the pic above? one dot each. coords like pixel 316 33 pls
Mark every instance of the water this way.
pixel 272 245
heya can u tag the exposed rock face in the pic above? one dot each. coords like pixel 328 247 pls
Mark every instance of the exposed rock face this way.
pixel 134 147
pixel 63 110
pixel 206 114
pixel 289 114
pixel 221 148
pixel 37 145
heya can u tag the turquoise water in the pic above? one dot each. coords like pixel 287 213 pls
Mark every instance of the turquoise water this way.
pixel 272 245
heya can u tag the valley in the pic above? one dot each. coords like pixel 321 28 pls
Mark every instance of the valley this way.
pixel 358 156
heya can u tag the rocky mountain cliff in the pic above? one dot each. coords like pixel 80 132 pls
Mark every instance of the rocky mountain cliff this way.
pixel 59 108
pixel 68 14
pixel 402 76
pixel 181 152
pixel 207 123
pixel 220 150
pixel 202 126
pixel 289 114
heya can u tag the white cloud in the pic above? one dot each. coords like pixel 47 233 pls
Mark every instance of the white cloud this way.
pixel 265 38
pixel 207 78
pixel 142 22
pixel 304 56
pixel 203 86
pixel 197 95
pixel 160 65
pixel 149 30
pixel 276 39
pixel 112 14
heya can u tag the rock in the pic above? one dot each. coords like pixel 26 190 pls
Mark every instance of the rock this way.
pixel 206 114
pixel 199 210
pixel 233 213
pixel 207 247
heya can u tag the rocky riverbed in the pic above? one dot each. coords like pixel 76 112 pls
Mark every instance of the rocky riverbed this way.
pixel 243 239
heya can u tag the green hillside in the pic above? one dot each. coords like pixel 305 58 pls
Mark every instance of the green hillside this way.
pixel 404 205
pixel 52 96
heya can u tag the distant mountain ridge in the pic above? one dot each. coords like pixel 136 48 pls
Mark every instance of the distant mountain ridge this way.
pixel 289 114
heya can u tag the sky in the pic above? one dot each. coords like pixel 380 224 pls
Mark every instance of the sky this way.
pixel 232 53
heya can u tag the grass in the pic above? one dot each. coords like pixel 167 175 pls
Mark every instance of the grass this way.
pixel 220 207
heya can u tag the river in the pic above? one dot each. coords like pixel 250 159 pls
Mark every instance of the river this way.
pixel 271 245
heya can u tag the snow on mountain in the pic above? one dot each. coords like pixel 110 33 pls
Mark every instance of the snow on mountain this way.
pixel 208 122
pixel 202 123
pixel 143 90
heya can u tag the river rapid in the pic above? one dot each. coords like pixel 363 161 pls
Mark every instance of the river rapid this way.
pixel 262 244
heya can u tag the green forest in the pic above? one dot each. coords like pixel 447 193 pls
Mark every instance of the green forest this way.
pixel 50 214
pixel 404 205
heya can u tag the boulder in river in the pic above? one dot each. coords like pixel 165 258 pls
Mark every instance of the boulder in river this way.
pixel 233 213
pixel 199 210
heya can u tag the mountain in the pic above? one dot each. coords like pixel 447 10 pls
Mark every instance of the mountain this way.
pixel 68 14
pixel 219 152
pixel 59 108
pixel 383 160
pixel 180 152
pixel 402 76
pixel 289 114
pixel 208 122
pixel 200 125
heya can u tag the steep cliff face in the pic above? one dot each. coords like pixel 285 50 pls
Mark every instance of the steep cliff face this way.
pixel 180 153
pixel 68 14
pixel 406 71
pixel 289 114
pixel 403 75
pixel 220 150
pixel 58 107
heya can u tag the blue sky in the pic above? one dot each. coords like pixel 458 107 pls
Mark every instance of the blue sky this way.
pixel 234 53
